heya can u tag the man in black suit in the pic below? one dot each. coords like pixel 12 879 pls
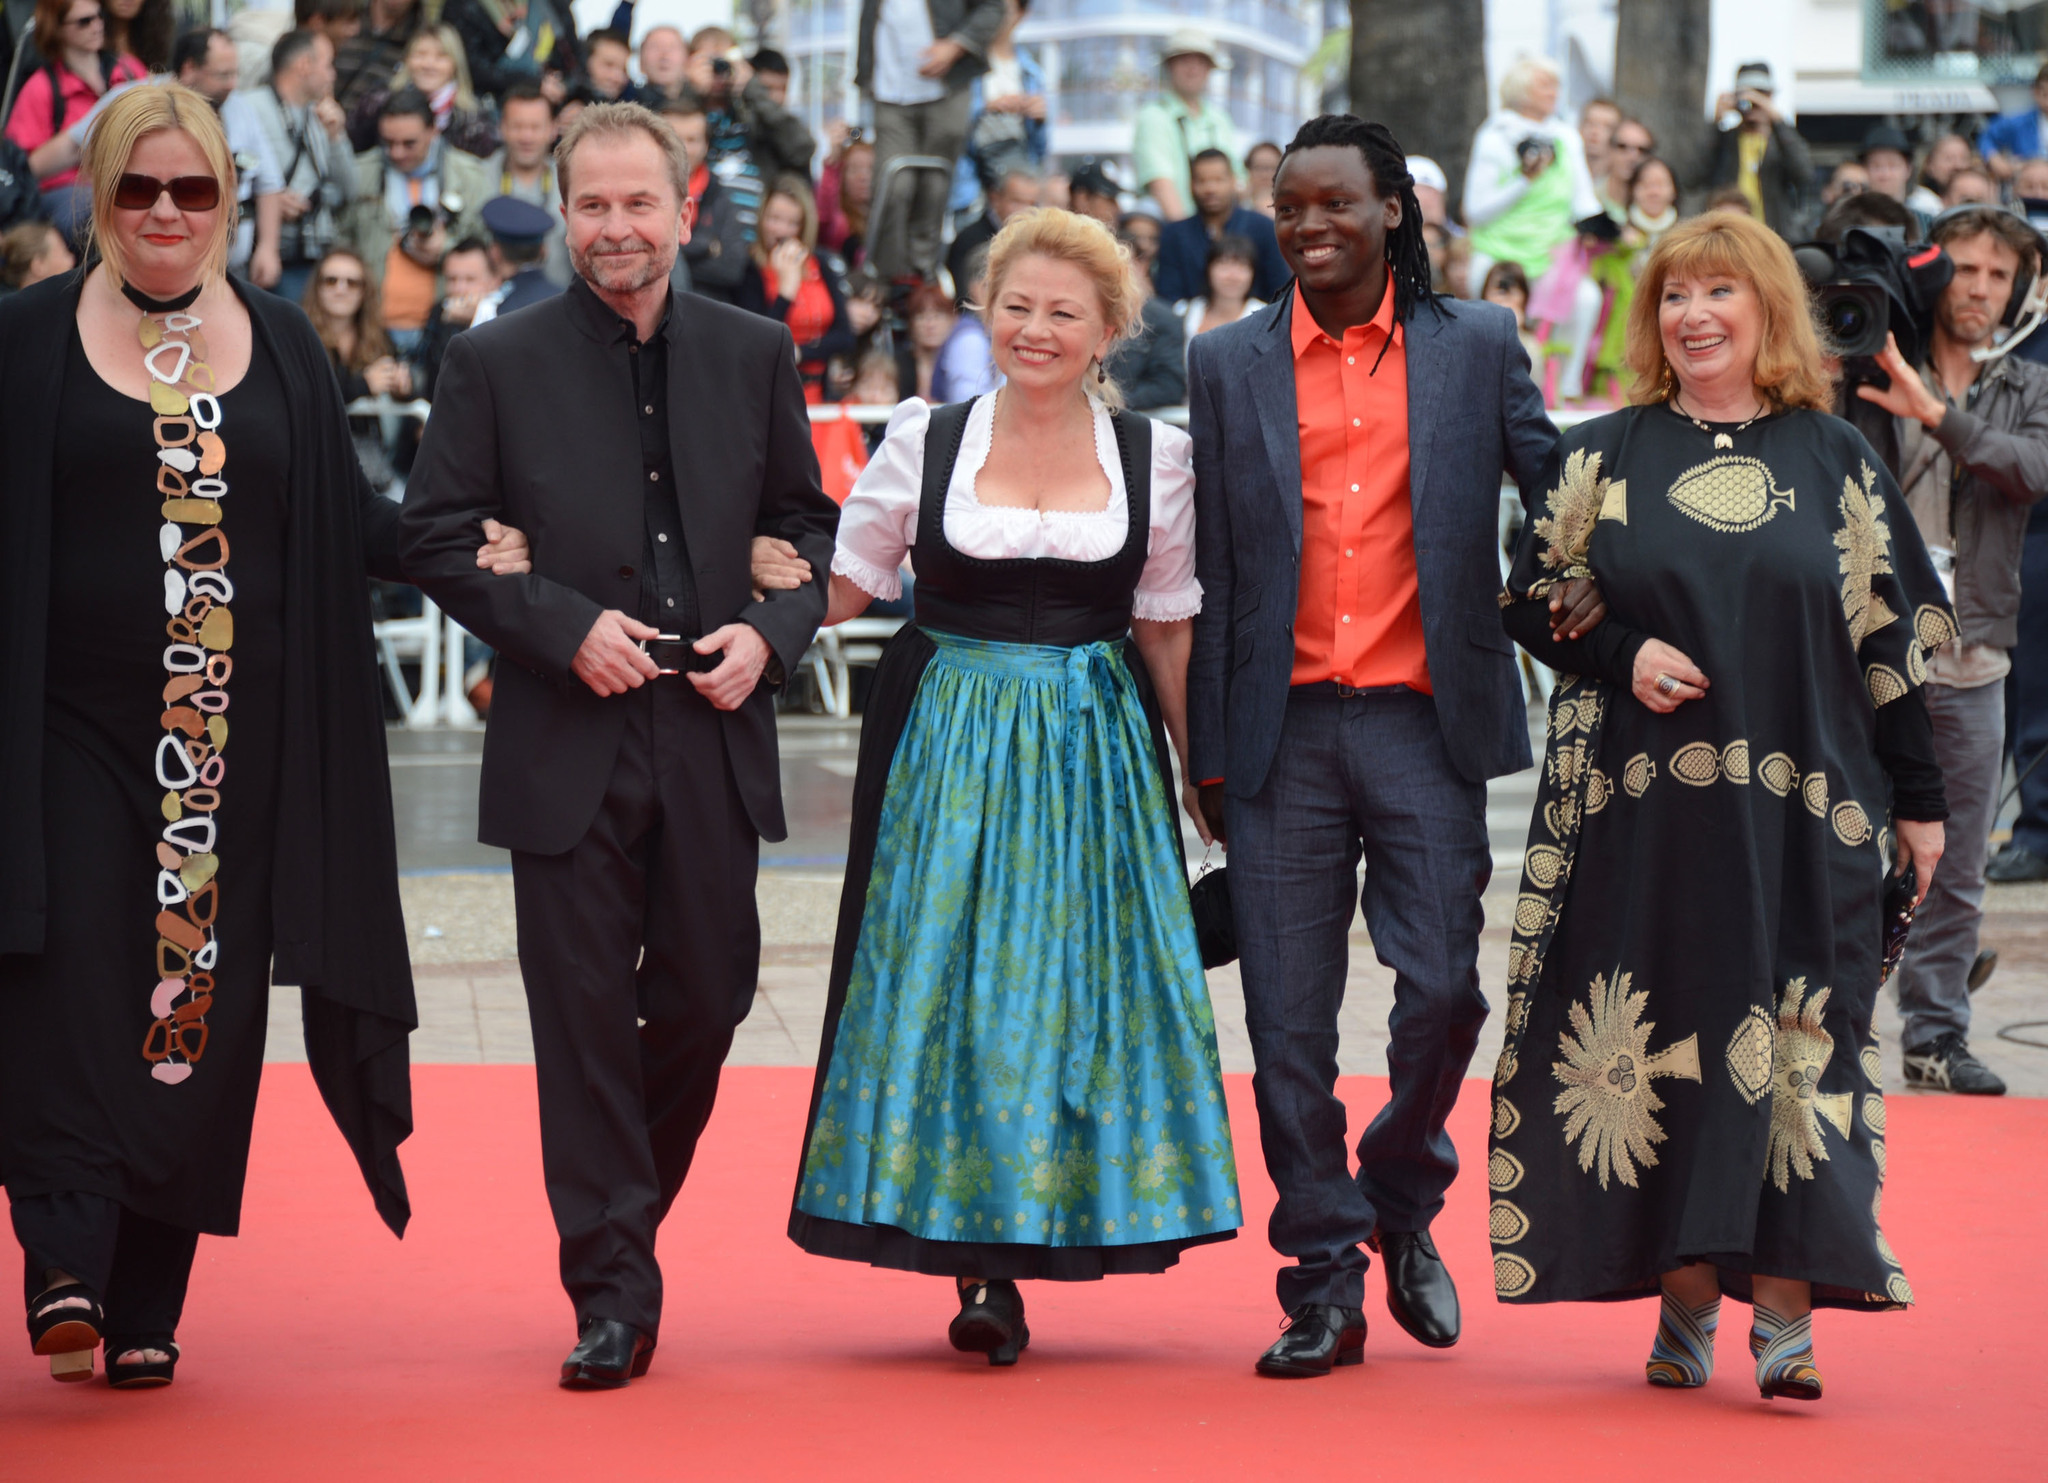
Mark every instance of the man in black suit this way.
pixel 1182 271
pixel 630 764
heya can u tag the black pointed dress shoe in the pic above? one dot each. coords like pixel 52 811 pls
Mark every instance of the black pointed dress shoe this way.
pixel 1319 1337
pixel 1420 1293
pixel 607 1354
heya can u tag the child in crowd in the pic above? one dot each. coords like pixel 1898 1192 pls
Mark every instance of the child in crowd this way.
pixel 1507 285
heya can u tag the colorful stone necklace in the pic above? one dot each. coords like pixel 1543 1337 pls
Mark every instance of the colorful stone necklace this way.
pixel 189 763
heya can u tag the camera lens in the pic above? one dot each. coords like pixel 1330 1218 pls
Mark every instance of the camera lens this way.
pixel 1847 321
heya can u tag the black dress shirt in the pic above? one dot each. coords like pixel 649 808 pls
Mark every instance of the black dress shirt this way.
pixel 668 591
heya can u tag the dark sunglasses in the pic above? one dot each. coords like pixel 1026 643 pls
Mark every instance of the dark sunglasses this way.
pixel 84 22
pixel 188 192
pixel 335 280
pixel 1632 148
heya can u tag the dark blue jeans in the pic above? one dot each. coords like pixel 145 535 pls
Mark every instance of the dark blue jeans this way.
pixel 1365 774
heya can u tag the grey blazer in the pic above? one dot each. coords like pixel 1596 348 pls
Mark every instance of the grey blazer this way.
pixel 1473 413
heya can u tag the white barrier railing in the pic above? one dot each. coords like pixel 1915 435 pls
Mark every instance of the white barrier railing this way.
pixel 437 641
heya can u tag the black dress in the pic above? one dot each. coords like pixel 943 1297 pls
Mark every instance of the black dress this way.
pixel 85 1106
pixel 1690 1071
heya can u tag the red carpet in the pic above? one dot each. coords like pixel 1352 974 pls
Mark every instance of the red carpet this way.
pixel 316 1347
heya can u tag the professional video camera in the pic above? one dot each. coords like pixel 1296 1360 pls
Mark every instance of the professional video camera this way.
pixel 1870 284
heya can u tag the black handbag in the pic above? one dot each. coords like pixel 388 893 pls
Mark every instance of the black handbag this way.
pixel 1900 887
pixel 1215 927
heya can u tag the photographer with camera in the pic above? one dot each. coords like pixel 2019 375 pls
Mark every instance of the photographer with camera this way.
pixel 1759 153
pixel 1973 456
pixel 307 135
pixel 413 195
pixel 1527 184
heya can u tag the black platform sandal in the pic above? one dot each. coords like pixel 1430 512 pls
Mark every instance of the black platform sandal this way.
pixel 140 1374
pixel 67 1334
pixel 991 1322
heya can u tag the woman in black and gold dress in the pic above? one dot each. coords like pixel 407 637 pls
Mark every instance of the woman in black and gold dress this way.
pixel 1688 1103
pixel 195 736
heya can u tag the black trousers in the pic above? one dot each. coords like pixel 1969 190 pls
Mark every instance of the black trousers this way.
pixel 138 1266
pixel 640 948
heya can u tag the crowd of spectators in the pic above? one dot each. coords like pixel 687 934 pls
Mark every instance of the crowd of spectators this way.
pixel 383 127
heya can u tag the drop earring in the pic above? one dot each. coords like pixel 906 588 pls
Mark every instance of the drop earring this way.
pixel 1101 373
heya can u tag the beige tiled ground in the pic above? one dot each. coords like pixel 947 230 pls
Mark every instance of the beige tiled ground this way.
pixel 472 1008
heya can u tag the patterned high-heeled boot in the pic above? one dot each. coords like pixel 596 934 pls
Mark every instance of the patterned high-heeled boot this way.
pixel 1784 1356
pixel 1682 1357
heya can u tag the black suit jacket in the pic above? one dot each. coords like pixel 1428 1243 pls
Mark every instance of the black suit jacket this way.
pixel 534 425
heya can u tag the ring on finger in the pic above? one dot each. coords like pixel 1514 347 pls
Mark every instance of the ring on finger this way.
pixel 1667 685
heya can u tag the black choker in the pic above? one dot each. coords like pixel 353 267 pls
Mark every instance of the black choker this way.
pixel 148 305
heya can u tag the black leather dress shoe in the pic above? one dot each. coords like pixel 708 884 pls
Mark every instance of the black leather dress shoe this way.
pixel 2014 863
pixel 1319 1336
pixel 607 1354
pixel 1420 1293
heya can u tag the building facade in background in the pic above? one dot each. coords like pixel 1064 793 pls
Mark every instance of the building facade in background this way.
pixel 1101 59
pixel 1842 65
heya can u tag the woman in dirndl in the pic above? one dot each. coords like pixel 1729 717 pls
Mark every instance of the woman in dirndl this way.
pixel 1019 1075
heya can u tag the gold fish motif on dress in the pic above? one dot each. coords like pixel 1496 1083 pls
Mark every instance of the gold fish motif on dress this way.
pixel 1730 493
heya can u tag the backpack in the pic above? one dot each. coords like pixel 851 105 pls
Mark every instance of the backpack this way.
pixel 20 198
pixel 110 63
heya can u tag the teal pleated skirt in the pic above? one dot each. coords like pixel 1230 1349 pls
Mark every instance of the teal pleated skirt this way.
pixel 1026 1056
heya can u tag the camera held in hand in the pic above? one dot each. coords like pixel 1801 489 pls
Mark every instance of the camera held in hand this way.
pixel 421 220
pixel 1532 151
pixel 1868 285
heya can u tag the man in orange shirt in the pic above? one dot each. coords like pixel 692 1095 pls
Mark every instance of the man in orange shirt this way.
pixel 1351 691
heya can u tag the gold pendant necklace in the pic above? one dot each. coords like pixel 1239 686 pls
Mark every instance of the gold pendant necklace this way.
pixel 1721 440
pixel 190 459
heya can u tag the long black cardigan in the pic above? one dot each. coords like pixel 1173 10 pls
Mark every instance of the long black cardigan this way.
pixel 339 934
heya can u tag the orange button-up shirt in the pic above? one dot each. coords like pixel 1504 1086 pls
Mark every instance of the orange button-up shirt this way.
pixel 1358 620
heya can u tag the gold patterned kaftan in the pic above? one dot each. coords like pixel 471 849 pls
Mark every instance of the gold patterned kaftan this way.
pixel 1690 1070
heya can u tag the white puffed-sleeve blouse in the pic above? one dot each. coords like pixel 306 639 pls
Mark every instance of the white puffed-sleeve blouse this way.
pixel 878 525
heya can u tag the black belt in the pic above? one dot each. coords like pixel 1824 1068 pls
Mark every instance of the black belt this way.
pixel 675 654
pixel 1332 690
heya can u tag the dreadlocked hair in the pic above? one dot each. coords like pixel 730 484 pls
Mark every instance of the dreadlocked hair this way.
pixel 1407 252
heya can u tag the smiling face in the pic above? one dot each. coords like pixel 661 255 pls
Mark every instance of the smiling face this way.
pixel 428 64
pixel 1975 299
pixel 1711 326
pixel 1047 326
pixel 625 223
pixel 162 245
pixel 1330 219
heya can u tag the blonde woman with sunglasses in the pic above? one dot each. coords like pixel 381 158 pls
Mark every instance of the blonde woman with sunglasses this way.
pixel 189 533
